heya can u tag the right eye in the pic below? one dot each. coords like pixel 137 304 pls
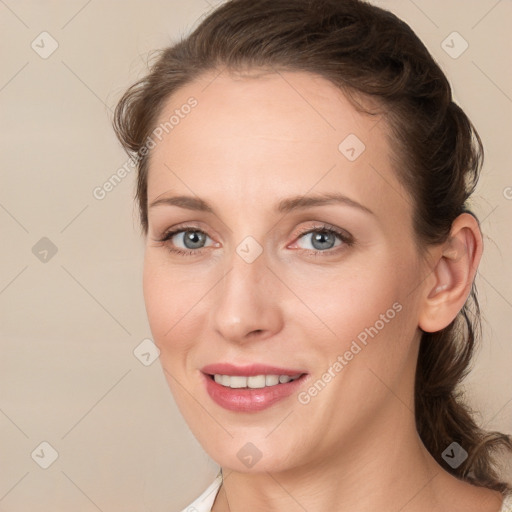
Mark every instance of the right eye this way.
pixel 186 240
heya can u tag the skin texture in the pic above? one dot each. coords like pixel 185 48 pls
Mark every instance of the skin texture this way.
pixel 251 142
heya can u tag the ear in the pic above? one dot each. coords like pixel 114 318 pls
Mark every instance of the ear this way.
pixel 449 284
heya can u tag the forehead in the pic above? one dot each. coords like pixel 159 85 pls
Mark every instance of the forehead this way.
pixel 280 106
pixel 274 134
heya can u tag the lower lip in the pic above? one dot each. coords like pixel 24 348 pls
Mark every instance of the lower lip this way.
pixel 250 400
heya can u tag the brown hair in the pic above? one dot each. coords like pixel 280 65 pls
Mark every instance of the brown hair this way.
pixel 367 52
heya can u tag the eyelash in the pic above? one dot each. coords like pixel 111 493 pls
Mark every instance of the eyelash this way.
pixel 324 228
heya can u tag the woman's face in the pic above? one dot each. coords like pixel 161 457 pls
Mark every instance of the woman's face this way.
pixel 292 255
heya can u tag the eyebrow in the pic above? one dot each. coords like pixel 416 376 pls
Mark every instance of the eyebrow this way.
pixel 284 206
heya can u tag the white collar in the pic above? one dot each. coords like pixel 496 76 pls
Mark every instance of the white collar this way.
pixel 205 501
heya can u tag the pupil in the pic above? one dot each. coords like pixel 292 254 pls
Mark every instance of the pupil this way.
pixel 323 240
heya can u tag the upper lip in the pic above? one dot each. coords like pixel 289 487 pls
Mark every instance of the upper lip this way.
pixel 248 370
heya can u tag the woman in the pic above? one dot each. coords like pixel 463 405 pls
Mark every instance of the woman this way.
pixel 310 257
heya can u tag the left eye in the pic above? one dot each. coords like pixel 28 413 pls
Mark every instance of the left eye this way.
pixel 320 240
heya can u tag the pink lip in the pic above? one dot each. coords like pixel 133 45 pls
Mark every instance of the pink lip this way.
pixel 249 400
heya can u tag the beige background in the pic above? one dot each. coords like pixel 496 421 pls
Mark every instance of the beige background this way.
pixel 69 326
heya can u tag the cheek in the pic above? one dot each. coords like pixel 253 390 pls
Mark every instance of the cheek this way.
pixel 169 302
pixel 346 301
pixel 365 315
pixel 371 352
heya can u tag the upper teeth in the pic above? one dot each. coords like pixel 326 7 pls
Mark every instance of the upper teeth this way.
pixel 255 381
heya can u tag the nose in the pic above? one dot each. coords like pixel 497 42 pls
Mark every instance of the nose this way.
pixel 246 303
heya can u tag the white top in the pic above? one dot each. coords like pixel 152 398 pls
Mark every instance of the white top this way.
pixel 507 504
pixel 205 501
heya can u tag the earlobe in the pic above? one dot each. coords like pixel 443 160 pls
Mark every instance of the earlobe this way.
pixel 456 262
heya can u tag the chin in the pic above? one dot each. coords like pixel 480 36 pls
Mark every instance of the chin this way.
pixel 252 455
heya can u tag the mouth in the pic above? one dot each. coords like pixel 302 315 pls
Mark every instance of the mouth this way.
pixel 250 388
pixel 254 381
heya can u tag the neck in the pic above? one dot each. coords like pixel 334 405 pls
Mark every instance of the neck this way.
pixel 385 467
